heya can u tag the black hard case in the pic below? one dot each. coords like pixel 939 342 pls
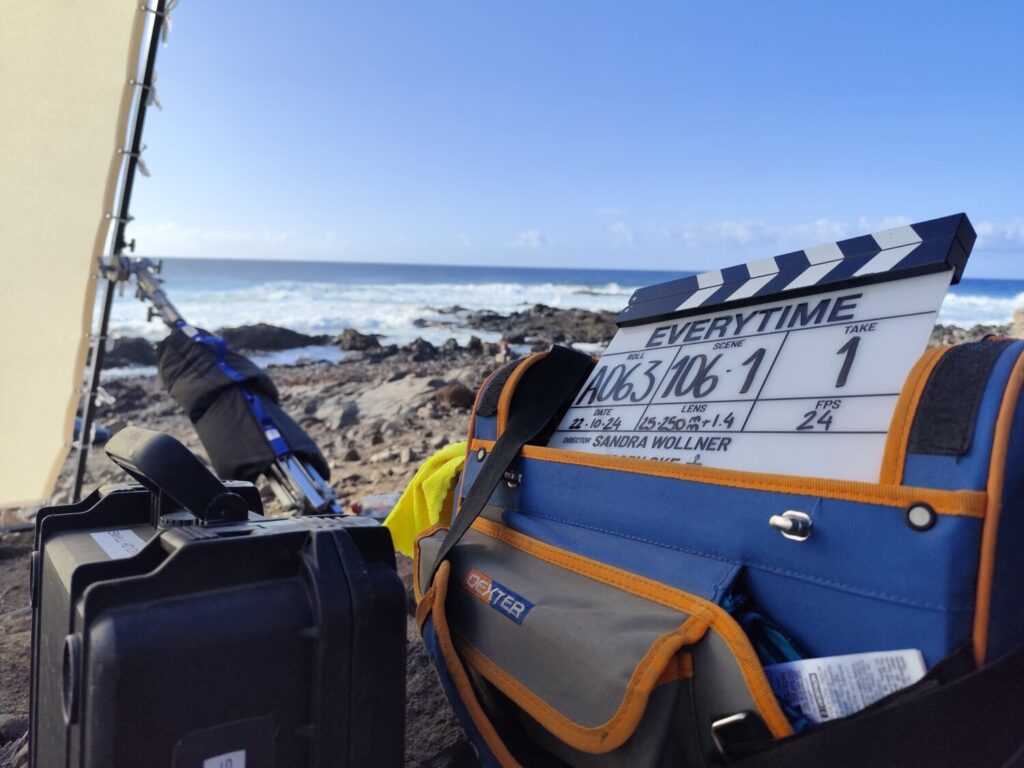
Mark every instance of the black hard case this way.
pixel 280 638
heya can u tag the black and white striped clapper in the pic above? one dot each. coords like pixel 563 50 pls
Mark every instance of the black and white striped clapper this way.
pixel 915 249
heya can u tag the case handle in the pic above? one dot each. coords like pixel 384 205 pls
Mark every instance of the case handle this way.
pixel 165 466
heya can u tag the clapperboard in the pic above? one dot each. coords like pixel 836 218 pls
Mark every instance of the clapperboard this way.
pixel 791 364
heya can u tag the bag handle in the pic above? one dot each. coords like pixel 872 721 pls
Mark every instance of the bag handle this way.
pixel 538 398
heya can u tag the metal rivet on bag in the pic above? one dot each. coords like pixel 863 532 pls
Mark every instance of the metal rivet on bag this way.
pixel 481 454
pixel 794 525
pixel 513 478
pixel 921 517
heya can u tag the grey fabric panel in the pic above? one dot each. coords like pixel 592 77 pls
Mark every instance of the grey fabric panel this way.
pixel 428 553
pixel 577 646
pixel 665 736
pixel 494 513
pixel 718 686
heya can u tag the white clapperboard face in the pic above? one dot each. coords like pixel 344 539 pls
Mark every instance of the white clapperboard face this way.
pixel 791 364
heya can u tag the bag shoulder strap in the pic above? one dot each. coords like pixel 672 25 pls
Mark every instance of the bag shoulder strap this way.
pixel 539 396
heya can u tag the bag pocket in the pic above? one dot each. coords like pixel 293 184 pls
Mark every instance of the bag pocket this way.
pixel 604 667
pixel 865 580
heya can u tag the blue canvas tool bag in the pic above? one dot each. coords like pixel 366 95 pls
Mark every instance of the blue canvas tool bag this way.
pixel 582 608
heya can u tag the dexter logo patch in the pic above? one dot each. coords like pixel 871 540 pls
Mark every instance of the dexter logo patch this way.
pixel 498 596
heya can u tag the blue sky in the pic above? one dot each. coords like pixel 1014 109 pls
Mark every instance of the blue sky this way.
pixel 589 134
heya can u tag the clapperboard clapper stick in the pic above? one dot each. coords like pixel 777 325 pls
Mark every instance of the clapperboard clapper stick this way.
pixel 790 364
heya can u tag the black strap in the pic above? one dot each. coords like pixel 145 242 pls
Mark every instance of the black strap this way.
pixel 975 719
pixel 538 398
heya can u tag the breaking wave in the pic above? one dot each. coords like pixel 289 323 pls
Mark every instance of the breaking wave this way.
pixel 971 309
pixel 402 302
pixel 399 311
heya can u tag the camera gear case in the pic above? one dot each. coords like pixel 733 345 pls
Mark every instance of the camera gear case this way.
pixel 174 625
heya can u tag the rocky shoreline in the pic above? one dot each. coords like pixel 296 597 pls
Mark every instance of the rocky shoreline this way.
pixel 375 415
pixel 537 327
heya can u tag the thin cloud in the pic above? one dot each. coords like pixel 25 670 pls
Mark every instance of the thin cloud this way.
pixel 736 234
pixel 624 235
pixel 171 239
pixel 1000 236
pixel 531 238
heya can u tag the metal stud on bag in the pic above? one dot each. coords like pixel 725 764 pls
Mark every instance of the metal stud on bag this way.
pixel 921 517
pixel 794 525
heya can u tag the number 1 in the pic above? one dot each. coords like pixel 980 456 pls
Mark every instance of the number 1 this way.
pixel 850 350
pixel 754 361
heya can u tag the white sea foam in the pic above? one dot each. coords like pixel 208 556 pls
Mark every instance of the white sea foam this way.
pixel 314 354
pixel 967 310
pixel 400 311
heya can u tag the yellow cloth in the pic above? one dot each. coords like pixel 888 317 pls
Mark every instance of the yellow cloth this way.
pixel 422 504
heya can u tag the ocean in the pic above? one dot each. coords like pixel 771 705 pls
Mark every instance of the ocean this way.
pixel 403 301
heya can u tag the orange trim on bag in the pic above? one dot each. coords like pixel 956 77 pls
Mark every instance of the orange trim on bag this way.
pixel 686 665
pixel 706 612
pixel 448 505
pixel 960 503
pixel 619 727
pixel 423 608
pixel 679 667
pixel 994 489
pixel 505 400
pixel 417 591
pixel 895 454
pixel 459 676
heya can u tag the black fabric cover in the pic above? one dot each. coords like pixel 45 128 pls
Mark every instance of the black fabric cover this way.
pixel 216 404
pixel 234 439
pixel 944 422
pixel 190 373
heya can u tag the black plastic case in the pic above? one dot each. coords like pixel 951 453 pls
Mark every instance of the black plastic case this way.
pixel 173 625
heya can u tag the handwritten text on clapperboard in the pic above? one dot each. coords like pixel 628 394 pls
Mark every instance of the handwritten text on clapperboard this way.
pixel 767 387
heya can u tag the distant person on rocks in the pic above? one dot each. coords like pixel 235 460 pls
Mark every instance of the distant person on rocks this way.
pixel 505 353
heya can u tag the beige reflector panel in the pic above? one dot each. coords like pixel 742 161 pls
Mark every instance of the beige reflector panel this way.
pixel 64 111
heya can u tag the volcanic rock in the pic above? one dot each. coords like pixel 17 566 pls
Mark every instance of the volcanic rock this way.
pixel 953 334
pixel 422 350
pixel 263 337
pixel 128 351
pixel 352 340
pixel 457 395
pixel 542 326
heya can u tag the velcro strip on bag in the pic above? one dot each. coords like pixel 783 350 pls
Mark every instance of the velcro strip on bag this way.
pixel 948 408
pixel 487 405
